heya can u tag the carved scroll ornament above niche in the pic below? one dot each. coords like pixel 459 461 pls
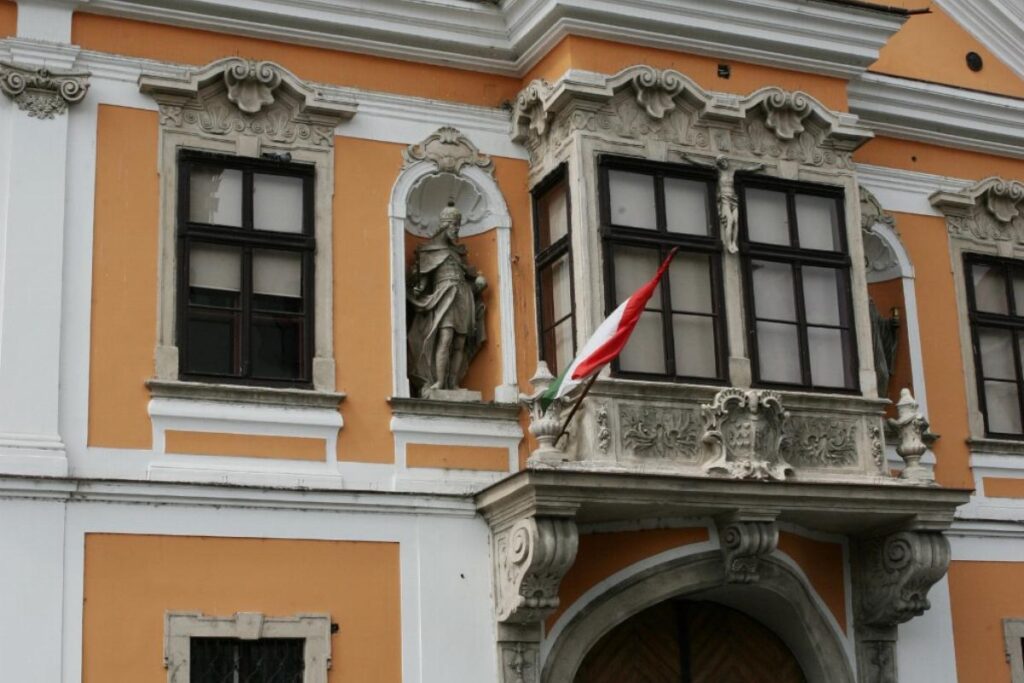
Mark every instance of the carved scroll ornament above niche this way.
pixel 643 103
pixel 233 97
pixel 990 211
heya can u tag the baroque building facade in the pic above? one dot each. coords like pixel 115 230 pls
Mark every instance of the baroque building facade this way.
pixel 284 286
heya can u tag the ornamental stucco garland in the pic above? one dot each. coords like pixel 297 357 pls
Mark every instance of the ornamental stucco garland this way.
pixel 41 92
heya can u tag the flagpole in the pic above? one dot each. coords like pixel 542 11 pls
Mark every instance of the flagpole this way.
pixel 576 406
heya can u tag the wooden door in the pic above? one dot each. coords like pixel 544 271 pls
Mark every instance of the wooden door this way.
pixel 683 641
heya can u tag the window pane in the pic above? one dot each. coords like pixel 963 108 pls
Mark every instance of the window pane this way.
pixel 686 206
pixel 817 222
pixel 277 280
pixel 214 275
pixel 1018 291
pixel 828 362
pixel 276 347
pixel 1002 407
pixel 773 290
pixel 556 292
pixel 563 351
pixel 767 219
pixel 690 279
pixel 695 345
pixel 996 350
pixel 632 199
pixel 778 353
pixel 821 295
pixel 552 215
pixel 989 288
pixel 277 203
pixel 634 267
pixel 211 346
pixel 215 196
pixel 645 351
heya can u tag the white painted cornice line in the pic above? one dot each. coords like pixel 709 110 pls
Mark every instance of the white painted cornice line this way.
pixel 997 24
pixel 939 114
pixel 906 191
pixel 796 34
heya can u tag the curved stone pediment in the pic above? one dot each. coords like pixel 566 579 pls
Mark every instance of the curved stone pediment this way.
pixel 990 210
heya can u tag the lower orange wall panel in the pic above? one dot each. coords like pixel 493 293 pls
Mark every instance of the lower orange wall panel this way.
pixel 8 18
pixel 124 278
pixel 130 581
pixel 999 487
pixel 601 555
pixel 982 594
pixel 824 565
pixel 245 445
pixel 457 457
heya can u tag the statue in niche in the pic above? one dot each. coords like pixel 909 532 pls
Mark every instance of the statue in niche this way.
pixel 884 337
pixel 447 321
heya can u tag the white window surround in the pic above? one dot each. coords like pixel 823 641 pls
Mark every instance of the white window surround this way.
pixel 246 109
pixel 1013 630
pixel 181 627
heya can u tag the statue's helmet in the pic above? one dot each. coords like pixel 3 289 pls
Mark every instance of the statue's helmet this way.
pixel 451 214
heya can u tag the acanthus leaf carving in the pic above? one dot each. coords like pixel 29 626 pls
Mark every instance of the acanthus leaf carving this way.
pixel 658 432
pixel 531 558
pixel 41 92
pixel 450 150
pixel 743 435
pixel 821 442
pixel 744 544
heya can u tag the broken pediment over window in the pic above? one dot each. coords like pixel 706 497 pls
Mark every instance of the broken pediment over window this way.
pixel 642 103
pixel 990 211
pixel 233 97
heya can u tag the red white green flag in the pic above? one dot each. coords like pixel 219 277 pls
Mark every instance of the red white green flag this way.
pixel 608 340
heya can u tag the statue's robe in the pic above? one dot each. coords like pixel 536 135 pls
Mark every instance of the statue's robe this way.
pixel 451 302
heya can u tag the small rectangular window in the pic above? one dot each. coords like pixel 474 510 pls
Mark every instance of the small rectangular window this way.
pixel 232 660
pixel 646 210
pixel 995 300
pixel 799 305
pixel 555 306
pixel 245 255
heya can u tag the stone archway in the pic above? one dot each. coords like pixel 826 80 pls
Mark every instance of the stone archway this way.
pixel 781 601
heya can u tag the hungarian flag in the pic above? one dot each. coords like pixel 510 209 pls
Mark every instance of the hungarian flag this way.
pixel 607 341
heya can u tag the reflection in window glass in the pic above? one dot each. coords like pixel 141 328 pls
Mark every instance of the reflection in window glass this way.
pixel 695 345
pixel 686 206
pixel 215 196
pixel 817 223
pixel 989 288
pixel 767 216
pixel 645 351
pixel 632 199
pixel 277 203
pixel 554 274
pixel 778 349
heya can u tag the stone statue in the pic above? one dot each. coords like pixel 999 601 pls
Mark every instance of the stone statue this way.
pixel 447 328
pixel 884 338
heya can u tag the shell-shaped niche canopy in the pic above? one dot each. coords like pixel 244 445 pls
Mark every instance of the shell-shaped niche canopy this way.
pixel 433 192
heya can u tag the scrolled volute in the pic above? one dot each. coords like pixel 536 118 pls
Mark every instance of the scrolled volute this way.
pixel 894 575
pixel 41 92
pixel 744 545
pixel 532 557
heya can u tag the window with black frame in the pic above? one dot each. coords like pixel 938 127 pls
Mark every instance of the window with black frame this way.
pixel 245 269
pixel 230 660
pixel 797 279
pixel 995 300
pixel 646 210
pixel 556 319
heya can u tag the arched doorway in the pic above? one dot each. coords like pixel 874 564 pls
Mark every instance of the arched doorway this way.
pixel 689 641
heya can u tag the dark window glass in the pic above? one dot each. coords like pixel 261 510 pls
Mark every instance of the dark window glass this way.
pixel 798 285
pixel 995 299
pixel 556 320
pixel 646 210
pixel 231 660
pixel 245 252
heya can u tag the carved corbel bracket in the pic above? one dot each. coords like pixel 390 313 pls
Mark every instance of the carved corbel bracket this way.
pixel 989 211
pixel 532 556
pixel 41 92
pixel 743 435
pixel 745 541
pixel 450 150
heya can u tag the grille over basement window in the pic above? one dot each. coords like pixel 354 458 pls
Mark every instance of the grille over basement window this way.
pixel 232 660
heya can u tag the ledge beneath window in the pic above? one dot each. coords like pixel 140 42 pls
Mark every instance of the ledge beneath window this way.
pixel 240 393
pixel 996 446
pixel 422 407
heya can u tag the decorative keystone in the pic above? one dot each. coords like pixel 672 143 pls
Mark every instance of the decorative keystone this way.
pixel 41 92
pixel 251 84
pixel 744 544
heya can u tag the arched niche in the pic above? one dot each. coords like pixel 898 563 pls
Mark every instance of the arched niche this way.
pixel 890 280
pixel 781 600
pixel 448 166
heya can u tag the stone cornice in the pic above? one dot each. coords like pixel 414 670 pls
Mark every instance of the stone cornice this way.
pixel 810 36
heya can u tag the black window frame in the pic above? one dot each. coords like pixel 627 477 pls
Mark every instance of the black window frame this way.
pixel 247 239
pixel 798 257
pixel 546 257
pixel 1010 321
pixel 240 651
pixel 711 245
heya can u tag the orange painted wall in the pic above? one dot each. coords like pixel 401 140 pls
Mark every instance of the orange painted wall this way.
pixel 193 46
pixel 482 458
pixel 982 594
pixel 928 247
pixel 933 47
pixel 245 445
pixel 124 279
pixel 593 54
pixel 131 580
pixel 925 158
pixel 1003 487
pixel 824 565
pixel 8 18
pixel 601 555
